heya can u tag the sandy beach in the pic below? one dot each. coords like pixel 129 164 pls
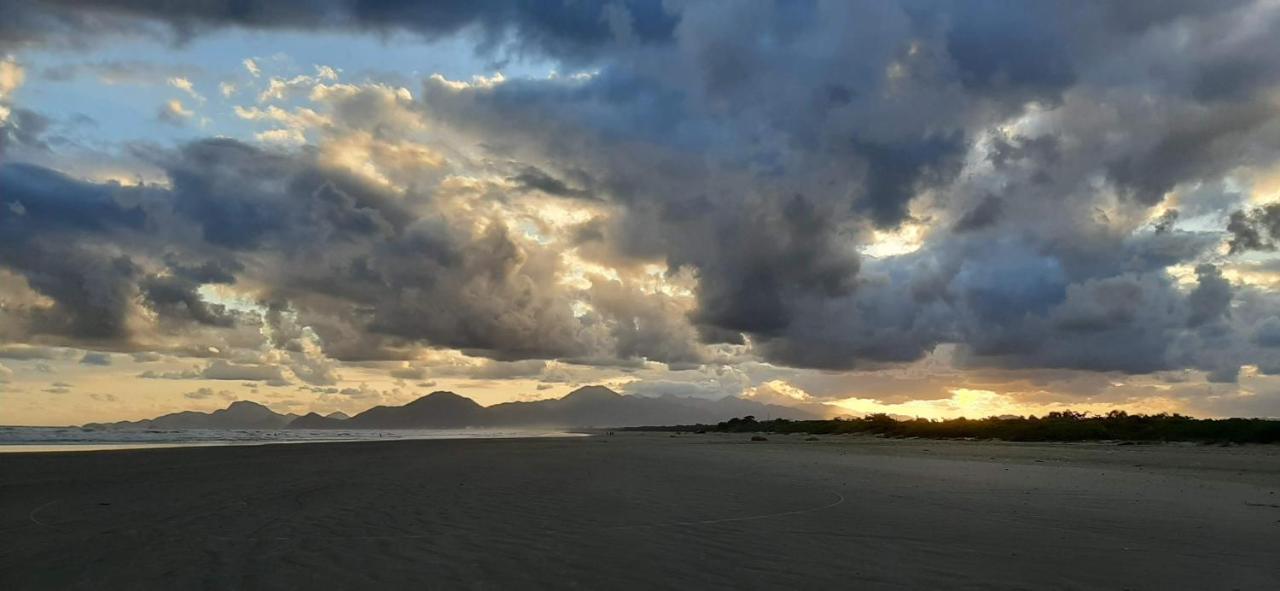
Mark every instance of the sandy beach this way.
pixel 644 511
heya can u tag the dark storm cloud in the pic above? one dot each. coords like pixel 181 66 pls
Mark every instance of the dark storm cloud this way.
pixel 1268 333
pixel 334 254
pixel 896 171
pixel 1165 223
pixel 46 23
pixel 94 358
pixel 1010 47
pixel 644 327
pixel 1189 148
pixel 753 286
pixel 536 179
pixel 213 271
pixel 794 119
pixel 985 214
pixel 355 264
pixel 45 234
pixel 1239 63
pixel 563 28
pixel 1008 150
pixel 80 245
pixel 23 128
pixel 1254 229
pixel 753 147
pixel 177 297
pixel 1211 299
pixel 244 198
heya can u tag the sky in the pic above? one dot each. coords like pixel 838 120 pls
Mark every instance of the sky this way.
pixel 920 207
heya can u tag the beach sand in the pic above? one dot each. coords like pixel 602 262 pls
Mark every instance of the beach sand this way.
pixel 644 511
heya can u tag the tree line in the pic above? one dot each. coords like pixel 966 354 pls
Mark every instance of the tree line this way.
pixel 1067 425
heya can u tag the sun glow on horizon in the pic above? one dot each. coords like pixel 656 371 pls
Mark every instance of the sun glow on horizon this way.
pixel 976 403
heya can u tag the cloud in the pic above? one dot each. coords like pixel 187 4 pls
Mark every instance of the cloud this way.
pixel 708 388
pixel 174 113
pixel 12 75
pixel 207 393
pixel 20 126
pixel 532 178
pixel 813 186
pixel 418 373
pixel 27 352
pixel 220 369
pixel 1254 229
pixel 91 288
pixel 985 214
pixel 564 29
pixel 95 358
pixel 778 392
pixel 474 369
pixel 176 297
pixel 282 137
pixel 225 370
pixel 184 84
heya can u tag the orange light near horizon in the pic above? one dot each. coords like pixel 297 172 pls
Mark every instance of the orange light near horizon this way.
pixel 974 403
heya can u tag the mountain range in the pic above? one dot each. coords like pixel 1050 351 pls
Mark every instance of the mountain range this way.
pixel 241 414
pixel 589 406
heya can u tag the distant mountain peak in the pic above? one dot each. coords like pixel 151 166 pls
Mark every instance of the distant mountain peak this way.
pixel 584 407
pixel 313 420
pixel 241 414
pixel 443 394
pixel 247 408
pixel 246 404
pixel 592 393
pixel 444 397
pixel 338 415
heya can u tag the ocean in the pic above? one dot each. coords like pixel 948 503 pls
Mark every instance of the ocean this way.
pixel 61 439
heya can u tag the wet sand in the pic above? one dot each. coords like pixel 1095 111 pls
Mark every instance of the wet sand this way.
pixel 644 511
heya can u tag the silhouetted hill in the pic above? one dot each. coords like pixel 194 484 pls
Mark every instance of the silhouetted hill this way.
pixel 597 406
pixel 241 414
pixel 437 410
pixel 591 395
pixel 589 406
pixel 313 420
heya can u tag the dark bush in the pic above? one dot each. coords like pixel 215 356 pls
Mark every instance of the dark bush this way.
pixel 1055 426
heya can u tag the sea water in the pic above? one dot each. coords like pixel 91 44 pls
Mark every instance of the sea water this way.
pixel 33 439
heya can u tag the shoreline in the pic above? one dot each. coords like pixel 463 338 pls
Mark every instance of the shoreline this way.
pixel 289 438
